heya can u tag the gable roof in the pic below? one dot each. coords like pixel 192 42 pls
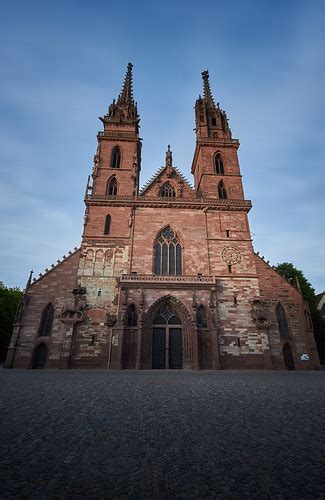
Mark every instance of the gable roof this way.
pixel 159 173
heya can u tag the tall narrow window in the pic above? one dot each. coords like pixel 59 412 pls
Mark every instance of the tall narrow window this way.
pixel 308 320
pixel 282 321
pixel 116 157
pixel 201 317
pixel 107 224
pixel 168 253
pixel 167 191
pixel 222 193
pixel 112 187
pixel 131 317
pixel 46 321
pixel 219 164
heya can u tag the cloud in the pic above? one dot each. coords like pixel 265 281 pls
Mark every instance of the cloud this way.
pixel 65 63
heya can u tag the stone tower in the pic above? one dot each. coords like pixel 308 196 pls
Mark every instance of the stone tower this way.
pixel 215 156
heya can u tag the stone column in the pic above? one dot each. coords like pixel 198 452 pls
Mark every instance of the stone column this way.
pixel 215 355
pixel 117 333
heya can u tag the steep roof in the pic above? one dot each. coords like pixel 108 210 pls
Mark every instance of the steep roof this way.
pixel 159 173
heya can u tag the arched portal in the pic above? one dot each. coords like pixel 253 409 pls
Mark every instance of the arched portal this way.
pixel 168 336
pixel 167 339
pixel 288 357
pixel 40 356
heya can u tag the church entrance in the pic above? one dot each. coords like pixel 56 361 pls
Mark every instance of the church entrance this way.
pixel 288 357
pixel 40 356
pixel 167 349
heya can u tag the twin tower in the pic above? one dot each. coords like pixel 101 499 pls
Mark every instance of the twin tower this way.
pixel 166 276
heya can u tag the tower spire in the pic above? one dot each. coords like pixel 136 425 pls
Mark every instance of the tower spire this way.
pixel 29 282
pixel 207 94
pixel 211 121
pixel 123 110
pixel 126 95
pixel 169 157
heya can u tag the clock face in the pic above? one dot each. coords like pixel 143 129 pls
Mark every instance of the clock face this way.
pixel 231 255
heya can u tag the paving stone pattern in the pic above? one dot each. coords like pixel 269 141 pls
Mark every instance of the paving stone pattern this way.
pixel 161 434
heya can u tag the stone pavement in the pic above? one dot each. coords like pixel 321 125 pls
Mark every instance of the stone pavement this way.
pixel 161 434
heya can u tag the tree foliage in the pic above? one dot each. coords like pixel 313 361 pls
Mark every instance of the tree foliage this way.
pixel 9 300
pixel 291 274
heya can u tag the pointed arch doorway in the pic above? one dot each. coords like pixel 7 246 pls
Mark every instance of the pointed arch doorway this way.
pixel 167 348
pixel 40 356
pixel 288 357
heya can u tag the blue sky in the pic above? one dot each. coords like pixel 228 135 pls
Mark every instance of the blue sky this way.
pixel 62 63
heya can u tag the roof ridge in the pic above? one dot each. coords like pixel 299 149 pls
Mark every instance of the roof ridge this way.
pixel 274 269
pixel 53 266
pixel 158 172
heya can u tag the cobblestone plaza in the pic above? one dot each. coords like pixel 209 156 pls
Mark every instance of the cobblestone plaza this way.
pixel 162 434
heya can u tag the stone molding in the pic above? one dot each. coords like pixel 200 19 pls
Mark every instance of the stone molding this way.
pixel 155 201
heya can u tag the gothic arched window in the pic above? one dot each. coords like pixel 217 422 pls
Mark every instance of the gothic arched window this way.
pixel 282 321
pixel 219 164
pixel 112 187
pixel 168 253
pixel 201 317
pixel 222 193
pixel 107 224
pixel 46 321
pixel 131 317
pixel 116 157
pixel 167 191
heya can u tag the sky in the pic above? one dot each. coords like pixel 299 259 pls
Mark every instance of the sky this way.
pixel 63 62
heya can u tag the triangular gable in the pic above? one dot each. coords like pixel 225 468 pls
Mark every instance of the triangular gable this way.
pixel 171 175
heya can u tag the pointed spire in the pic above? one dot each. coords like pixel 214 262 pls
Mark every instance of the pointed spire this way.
pixel 29 279
pixel 126 95
pixel 169 157
pixel 206 89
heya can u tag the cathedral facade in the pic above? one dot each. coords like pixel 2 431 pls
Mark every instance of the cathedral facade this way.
pixel 166 276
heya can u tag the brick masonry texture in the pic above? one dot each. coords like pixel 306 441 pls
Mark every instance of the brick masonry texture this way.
pixel 161 434
pixel 92 290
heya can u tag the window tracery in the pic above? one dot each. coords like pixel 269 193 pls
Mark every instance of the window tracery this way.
pixel 168 253
pixel 131 317
pixel 112 187
pixel 219 164
pixel 282 321
pixel 167 191
pixel 46 321
pixel 116 157
pixel 201 317
pixel 222 193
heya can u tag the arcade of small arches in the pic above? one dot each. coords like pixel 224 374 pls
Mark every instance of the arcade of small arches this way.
pixel 170 337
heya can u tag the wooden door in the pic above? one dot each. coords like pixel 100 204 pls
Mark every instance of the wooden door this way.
pixel 159 348
pixel 175 348
pixel 40 356
pixel 288 357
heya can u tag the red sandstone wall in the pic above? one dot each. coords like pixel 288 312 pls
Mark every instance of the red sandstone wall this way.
pixel 119 227
pixel 55 287
pixel 190 228
pixel 207 180
pixel 123 174
pixel 274 288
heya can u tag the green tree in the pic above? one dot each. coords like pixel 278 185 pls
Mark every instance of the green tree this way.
pixel 9 300
pixel 291 274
